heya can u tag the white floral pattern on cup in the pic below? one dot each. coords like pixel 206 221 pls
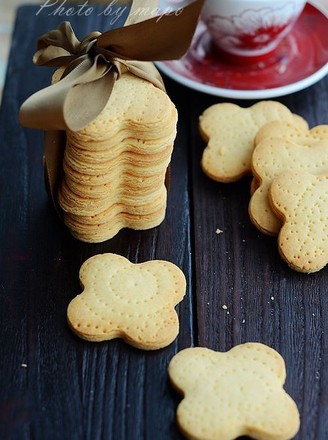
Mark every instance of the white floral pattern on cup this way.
pixel 253 31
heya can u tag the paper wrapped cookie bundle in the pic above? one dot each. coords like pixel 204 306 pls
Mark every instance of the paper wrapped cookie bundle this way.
pixel 118 121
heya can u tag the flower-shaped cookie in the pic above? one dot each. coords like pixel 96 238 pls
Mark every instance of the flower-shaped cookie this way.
pixel 230 131
pixel 301 201
pixel 130 301
pixel 282 147
pixel 227 395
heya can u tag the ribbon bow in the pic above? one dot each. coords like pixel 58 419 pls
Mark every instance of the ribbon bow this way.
pixel 92 66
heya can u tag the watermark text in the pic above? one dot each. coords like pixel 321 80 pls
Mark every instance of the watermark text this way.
pixel 61 8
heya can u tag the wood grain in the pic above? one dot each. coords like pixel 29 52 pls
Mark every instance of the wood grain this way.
pixel 54 385
pixel 241 269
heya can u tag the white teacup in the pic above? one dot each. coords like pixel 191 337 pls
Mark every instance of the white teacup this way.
pixel 250 28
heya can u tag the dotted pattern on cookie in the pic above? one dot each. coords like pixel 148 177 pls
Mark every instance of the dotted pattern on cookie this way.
pixel 293 149
pixel 153 108
pixel 130 301
pixel 301 201
pixel 227 395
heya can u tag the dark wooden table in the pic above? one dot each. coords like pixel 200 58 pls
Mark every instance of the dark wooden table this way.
pixel 56 386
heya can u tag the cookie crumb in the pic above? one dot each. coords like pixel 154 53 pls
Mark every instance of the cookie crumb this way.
pixel 225 307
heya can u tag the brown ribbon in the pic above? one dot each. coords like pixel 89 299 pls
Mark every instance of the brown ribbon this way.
pixel 94 64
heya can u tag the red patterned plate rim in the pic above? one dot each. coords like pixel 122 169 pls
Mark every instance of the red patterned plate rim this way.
pixel 300 60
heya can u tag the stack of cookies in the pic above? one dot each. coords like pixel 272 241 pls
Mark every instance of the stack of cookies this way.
pixel 114 168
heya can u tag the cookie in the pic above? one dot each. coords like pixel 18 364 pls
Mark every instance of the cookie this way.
pixel 281 146
pixel 298 133
pixel 300 200
pixel 135 302
pixel 130 184
pixel 92 207
pixel 98 232
pixel 232 394
pixel 115 169
pixel 230 131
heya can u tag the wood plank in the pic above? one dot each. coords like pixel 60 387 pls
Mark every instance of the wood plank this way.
pixel 71 388
pixel 240 268
pixel 74 389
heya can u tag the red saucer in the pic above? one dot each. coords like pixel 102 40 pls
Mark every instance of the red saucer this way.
pixel 299 61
